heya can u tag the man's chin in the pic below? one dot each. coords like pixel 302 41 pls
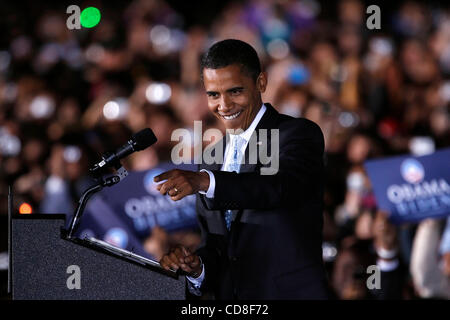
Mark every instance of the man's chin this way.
pixel 234 124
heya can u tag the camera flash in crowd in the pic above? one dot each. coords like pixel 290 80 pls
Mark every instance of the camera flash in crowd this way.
pixel 158 93
pixel 278 49
pixel 116 109
pixel 9 145
pixel 159 35
pixel 72 154
pixel 381 46
pixel 42 107
pixel 329 251
pixel 421 146
pixel 348 119
pixel 164 40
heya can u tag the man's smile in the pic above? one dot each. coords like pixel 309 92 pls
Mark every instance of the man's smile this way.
pixel 231 116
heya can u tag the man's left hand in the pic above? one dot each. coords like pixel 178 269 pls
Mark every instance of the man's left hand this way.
pixel 181 183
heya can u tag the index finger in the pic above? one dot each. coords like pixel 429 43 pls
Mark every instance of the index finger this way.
pixel 163 176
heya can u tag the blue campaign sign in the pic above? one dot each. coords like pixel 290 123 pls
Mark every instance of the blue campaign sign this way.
pixel 124 214
pixel 412 188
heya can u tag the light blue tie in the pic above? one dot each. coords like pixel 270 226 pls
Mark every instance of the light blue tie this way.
pixel 234 165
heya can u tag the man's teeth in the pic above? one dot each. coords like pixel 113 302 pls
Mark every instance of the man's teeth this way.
pixel 233 116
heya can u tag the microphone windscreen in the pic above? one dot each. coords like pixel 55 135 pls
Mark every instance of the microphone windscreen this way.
pixel 144 139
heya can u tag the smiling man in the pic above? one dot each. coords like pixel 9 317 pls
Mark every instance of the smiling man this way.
pixel 261 234
pixel 234 92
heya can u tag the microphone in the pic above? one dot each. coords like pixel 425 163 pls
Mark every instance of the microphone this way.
pixel 138 142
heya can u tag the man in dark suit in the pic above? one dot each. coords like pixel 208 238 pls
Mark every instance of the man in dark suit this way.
pixel 261 221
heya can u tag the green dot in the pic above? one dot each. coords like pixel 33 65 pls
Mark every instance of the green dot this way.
pixel 90 17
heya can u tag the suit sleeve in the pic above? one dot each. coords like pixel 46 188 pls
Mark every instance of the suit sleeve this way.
pixel 208 251
pixel 299 176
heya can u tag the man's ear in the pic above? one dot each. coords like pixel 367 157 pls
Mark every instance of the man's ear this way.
pixel 261 82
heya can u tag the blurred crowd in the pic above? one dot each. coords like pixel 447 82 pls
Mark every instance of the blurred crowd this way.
pixel 67 96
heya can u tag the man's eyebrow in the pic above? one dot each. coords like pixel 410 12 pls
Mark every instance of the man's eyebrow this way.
pixel 235 89
pixel 211 92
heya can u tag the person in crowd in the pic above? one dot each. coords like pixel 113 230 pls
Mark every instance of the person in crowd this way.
pixel 430 260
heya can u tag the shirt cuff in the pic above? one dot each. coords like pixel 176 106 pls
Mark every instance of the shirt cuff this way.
pixel 194 284
pixel 212 185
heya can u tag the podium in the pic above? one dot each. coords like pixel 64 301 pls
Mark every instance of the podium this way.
pixel 46 265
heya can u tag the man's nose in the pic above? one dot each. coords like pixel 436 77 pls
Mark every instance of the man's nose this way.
pixel 225 104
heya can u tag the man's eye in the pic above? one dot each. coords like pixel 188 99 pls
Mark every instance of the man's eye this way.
pixel 212 95
pixel 236 91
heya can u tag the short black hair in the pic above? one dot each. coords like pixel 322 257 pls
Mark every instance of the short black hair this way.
pixel 232 51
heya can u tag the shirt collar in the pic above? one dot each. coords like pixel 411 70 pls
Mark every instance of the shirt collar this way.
pixel 248 133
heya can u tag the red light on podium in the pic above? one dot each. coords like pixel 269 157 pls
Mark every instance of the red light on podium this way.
pixel 25 208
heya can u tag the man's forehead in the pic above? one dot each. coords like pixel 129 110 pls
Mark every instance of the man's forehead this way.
pixel 231 74
pixel 230 69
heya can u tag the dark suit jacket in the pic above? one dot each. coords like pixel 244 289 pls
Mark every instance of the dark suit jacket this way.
pixel 274 247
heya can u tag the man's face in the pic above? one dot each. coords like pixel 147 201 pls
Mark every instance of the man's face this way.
pixel 233 96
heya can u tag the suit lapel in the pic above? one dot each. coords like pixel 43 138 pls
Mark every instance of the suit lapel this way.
pixel 268 121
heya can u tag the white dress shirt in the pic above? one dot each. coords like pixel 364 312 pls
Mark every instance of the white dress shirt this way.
pixel 246 135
